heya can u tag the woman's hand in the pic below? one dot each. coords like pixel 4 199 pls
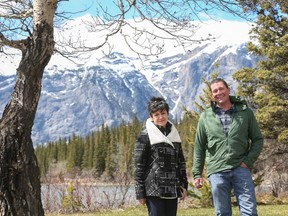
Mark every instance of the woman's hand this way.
pixel 184 193
pixel 142 201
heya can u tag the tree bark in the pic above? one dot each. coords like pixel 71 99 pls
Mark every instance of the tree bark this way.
pixel 20 188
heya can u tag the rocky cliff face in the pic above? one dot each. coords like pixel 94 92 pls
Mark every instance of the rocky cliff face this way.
pixel 80 98
pixel 113 90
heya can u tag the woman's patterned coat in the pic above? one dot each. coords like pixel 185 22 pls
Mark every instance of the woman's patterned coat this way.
pixel 160 168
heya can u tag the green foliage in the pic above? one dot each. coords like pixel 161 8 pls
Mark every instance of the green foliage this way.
pixel 266 86
pixel 43 161
pixel 258 180
pixel 107 151
pixel 203 194
pixel 72 202
pixel 75 153
pixel 110 162
pixel 85 162
pixel 205 100
pixel 187 130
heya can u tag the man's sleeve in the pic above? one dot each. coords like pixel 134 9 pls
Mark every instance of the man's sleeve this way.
pixel 199 149
pixel 256 139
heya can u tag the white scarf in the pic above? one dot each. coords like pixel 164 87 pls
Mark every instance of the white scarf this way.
pixel 156 136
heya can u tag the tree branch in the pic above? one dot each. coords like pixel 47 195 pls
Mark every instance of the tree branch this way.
pixel 19 44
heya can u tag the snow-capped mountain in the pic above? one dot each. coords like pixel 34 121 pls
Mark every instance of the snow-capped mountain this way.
pixel 110 90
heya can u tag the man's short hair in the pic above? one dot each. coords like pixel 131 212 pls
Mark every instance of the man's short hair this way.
pixel 216 80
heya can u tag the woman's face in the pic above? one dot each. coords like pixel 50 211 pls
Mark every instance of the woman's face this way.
pixel 160 117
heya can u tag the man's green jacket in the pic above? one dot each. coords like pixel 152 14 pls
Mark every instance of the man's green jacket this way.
pixel 222 151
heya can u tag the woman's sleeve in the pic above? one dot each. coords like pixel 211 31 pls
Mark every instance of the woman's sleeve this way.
pixel 140 161
pixel 182 169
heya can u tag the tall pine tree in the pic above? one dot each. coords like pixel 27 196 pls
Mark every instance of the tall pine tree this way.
pixel 266 86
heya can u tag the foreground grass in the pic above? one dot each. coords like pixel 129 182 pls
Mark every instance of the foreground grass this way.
pixel 263 210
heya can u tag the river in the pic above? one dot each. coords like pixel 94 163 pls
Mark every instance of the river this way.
pixel 86 197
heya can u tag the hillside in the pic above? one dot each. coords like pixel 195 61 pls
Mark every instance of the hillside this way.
pixel 79 98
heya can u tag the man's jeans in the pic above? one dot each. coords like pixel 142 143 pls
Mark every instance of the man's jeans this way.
pixel 240 179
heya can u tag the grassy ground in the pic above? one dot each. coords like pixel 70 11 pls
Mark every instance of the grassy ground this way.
pixel 263 210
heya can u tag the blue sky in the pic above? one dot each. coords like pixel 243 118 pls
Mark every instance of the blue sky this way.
pixel 80 5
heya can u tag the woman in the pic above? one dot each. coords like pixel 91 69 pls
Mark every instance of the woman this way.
pixel 160 168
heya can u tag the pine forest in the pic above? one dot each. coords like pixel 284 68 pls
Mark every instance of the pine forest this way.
pixel 103 154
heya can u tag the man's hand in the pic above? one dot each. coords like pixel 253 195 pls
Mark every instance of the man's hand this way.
pixel 198 182
pixel 242 164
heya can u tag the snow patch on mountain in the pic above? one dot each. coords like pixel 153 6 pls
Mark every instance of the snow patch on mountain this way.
pixel 79 98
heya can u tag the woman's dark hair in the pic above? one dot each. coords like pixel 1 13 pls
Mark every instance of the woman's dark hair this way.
pixel 157 103
pixel 216 80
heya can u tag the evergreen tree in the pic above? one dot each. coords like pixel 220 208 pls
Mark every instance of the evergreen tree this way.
pixel 134 129
pixel 79 146
pixel 96 151
pixel 62 150
pixel 91 150
pixel 42 159
pixel 85 159
pixel 266 86
pixel 122 146
pixel 71 157
pixel 105 143
pixel 111 156
pixel 186 127
pixel 101 145
pixel 52 146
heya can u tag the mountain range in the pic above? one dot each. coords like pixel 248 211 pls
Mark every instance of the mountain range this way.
pixel 78 99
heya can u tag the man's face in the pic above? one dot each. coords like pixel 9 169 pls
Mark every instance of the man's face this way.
pixel 220 93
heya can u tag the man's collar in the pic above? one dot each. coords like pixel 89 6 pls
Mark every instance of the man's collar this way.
pixel 217 107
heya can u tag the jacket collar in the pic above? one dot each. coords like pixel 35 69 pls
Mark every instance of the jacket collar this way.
pixel 156 136
pixel 239 103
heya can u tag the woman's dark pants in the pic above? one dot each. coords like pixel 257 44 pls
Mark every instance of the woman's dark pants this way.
pixel 161 207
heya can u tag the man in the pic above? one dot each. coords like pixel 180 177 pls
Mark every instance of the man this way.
pixel 229 138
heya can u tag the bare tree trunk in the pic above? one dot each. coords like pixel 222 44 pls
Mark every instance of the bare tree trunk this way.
pixel 20 188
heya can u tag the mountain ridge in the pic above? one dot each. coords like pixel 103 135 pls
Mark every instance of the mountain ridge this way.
pixel 78 99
